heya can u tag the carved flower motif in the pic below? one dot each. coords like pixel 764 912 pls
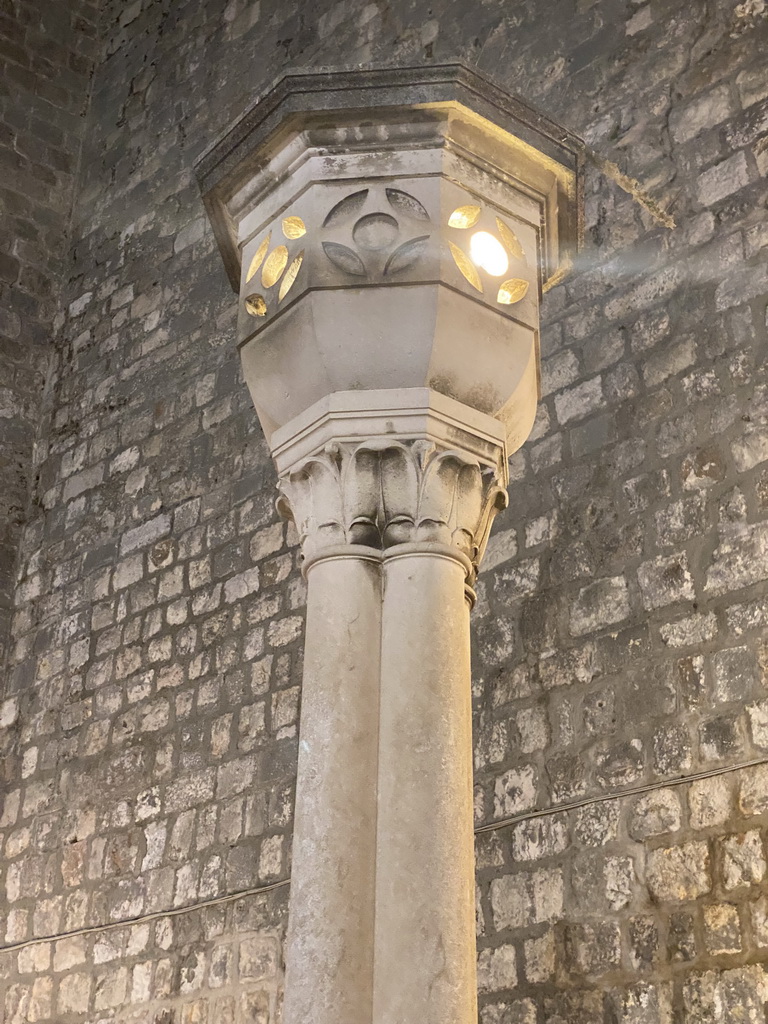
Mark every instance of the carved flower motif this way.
pixel 368 240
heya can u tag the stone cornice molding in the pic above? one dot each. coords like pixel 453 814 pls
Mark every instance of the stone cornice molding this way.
pixel 403 414
pixel 383 493
pixel 229 172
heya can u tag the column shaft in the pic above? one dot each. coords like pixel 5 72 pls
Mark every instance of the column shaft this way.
pixel 424 957
pixel 329 962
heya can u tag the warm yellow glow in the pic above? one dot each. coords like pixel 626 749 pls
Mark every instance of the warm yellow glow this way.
pixel 255 305
pixel 464 217
pixel 466 267
pixel 258 257
pixel 510 239
pixel 275 265
pixel 294 227
pixel 488 253
pixel 290 276
pixel 512 291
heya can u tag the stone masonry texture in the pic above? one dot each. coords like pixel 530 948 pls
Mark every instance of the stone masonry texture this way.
pixel 148 721
pixel 47 52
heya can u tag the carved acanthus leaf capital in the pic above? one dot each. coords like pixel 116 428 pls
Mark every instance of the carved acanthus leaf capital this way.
pixel 382 493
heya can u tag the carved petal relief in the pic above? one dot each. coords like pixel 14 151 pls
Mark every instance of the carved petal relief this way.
pixel 383 493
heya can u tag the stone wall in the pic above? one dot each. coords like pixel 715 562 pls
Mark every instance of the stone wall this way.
pixel 46 59
pixel 620 679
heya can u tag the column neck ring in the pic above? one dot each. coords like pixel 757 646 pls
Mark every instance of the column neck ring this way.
pixel 432 549
pixel 338 552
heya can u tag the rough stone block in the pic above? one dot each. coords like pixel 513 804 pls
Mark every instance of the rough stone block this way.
pixel 740 559
pixel 737 674
pixel 704 112
pixel 599 604
pixel 679 872
pixel 527 898
pixel 719 998
pixel 655 814
pixel 579 401
pixel 515 791
pixel 743 859
pixel 497 969
pixel 723 179
pixel 665 580
pixel 710 802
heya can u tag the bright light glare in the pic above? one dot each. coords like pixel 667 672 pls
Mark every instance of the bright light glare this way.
pixel 488 253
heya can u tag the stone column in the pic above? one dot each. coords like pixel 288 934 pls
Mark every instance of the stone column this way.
pixel 390 233
pixel 425 866
pixel 382 897
pixel 330 967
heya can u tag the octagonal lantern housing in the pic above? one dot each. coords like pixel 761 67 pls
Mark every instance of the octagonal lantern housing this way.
pixel 389 233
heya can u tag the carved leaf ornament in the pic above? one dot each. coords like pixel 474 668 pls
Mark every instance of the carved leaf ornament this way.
pixel 375 233
pixel 380 494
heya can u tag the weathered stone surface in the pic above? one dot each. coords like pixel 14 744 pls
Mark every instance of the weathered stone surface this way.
pixel 710 802
pixel 715 998
pixel 753 790
pixel 665 580
pixel 723 179
pixel 679 872
pixel 132 672
pixel 644 1003
pixel 743 859
pixel 722 932
pixel 496 969
pixel 540 957
pixel 740 559
pixel 515 791
pixel 704 112
pixel 598 605
pixel 527 898
pixel 655 814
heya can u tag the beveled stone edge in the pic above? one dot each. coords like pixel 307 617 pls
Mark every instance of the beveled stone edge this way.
pixel 223 167
pixel 399 414
pixel 386 86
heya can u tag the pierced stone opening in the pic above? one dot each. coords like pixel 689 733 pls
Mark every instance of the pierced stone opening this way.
pixel 290 276
pixel 464 217
pixel 258 257
pixel 466 266
pixel 510 240
pixel 512 291
pixel 294 227
pixel 255 305
pixel 275 265
pixel 488 253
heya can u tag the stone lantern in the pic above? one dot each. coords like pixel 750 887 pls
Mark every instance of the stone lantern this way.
pixel 389 233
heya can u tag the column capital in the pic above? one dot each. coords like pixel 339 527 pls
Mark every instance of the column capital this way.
pixel 393 228
pixel 383 493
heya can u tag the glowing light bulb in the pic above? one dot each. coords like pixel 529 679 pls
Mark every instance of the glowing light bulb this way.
pixel 488 253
